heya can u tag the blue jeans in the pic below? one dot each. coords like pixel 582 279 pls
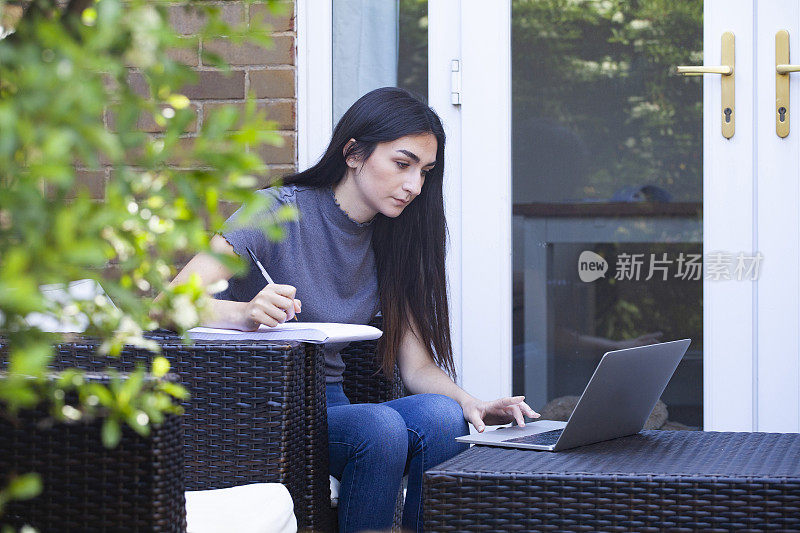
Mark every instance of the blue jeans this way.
pixel 372 446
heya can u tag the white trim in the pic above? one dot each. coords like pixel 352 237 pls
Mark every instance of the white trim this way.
pixel 314 79
pixel 444 45
pixel 728 226
pixel 777 393
pixel 486 199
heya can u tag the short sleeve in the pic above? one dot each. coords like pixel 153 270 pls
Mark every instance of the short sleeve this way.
pixel 241 234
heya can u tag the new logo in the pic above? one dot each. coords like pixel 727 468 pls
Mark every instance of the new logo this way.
pixel 591 266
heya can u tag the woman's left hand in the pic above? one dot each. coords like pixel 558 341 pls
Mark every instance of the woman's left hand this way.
pixel 500 411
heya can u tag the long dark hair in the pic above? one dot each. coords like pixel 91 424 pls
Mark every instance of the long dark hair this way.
pixel 409 249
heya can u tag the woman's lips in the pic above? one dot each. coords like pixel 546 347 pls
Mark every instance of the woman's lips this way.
pixel 400 202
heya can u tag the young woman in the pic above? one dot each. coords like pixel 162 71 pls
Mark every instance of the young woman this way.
pixel 370 236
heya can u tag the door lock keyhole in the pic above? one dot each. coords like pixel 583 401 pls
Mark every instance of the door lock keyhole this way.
pixel 728 112
pixel 782 113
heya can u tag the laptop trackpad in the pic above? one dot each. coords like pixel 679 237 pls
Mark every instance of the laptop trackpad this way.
pixel 504 433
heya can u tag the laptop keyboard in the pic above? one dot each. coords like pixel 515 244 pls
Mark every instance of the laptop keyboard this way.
pixel 546 438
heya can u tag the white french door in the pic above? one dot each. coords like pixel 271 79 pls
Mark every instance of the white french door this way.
pixel 776 363
pixel 569 132
pixel 745 369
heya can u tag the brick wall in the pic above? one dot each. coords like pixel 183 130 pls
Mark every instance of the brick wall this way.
pixel 269 73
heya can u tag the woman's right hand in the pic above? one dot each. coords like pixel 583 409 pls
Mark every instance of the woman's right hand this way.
pixel 274 305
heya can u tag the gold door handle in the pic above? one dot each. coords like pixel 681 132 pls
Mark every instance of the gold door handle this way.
pixel 782 70
pixel 726 70
pixel 786 69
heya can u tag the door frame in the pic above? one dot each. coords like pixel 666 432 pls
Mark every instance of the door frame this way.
pixel 776 352
pixel 314 79
pixel 729 315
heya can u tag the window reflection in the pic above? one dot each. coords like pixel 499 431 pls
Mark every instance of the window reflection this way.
pixel 607 159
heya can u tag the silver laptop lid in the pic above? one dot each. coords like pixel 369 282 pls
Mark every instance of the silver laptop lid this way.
pixel 622 393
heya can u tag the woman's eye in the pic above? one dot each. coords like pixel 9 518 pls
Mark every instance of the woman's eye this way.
pixel 401 164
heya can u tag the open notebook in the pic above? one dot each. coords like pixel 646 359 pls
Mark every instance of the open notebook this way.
pixel 319 332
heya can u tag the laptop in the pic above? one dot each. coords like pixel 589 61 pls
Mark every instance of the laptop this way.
pixel 616 403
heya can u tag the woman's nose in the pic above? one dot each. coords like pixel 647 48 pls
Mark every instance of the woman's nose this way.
pixel 413 185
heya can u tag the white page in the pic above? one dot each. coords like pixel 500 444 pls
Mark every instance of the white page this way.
pixel 318 332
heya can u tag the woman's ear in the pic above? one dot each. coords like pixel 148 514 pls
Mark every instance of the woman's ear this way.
pixel 353 160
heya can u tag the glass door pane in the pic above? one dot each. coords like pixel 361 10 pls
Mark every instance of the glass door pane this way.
pixel 378 43
pixel 607 193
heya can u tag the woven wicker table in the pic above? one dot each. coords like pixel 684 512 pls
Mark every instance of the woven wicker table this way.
pixel 655 480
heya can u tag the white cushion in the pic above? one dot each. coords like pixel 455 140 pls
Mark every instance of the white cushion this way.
pixel 334 491
pixel 256 508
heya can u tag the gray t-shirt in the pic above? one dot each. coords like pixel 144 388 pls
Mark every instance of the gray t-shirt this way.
pixel 326 255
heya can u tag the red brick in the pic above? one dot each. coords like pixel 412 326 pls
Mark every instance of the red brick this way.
pixel 188 56
pixel 260 16
pixel 189 22
pixel 182 153
pixel 279 155
pixel 280 53
pixel 148 124
pixel 138 84
pixel 281 112
pixel 272 83
pixel 216 85
pixel 93 181
pixel 211 84
pixel 110 83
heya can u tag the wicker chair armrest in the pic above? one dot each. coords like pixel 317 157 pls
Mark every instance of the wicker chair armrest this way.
pixel 245 419
pixel 136 486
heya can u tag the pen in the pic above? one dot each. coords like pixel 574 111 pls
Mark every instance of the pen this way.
pixel 263 270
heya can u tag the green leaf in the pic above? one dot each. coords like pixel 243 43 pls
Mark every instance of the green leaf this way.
pixel 31 360
pixel 175 390
pixel 104 396
pixel 160 367
pixel 18 393
pixel 25 487
pixel 111 433
pixel 130 388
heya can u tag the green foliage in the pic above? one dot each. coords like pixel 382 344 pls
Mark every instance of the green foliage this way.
pixel 69 103
pixel 22 487
pixel 412 57
pixel 604 71
pixel 594 81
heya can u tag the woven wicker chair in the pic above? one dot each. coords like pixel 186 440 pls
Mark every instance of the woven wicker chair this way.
pixel 137 486
pixel 253 405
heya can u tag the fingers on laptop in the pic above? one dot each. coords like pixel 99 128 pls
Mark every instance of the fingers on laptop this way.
pixel 528 411
pixel 514 409
pixel 516 412
pixel 478 423
pixel 517 401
